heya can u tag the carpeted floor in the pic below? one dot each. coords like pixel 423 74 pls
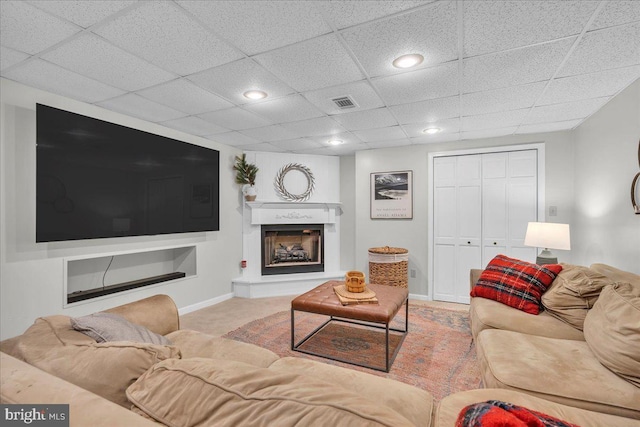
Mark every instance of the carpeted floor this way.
pixel 437 355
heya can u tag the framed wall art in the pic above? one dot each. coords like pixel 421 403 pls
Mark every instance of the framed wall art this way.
pixel 392 195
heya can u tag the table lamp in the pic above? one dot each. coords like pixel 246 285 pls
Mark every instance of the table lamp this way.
pixel 547 235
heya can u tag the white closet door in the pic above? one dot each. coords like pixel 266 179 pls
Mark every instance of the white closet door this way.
pixel 482 204
pixel 494 205
pixel 523 202
pixel 457 225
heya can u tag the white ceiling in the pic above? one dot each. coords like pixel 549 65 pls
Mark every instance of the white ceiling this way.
pixel 491 68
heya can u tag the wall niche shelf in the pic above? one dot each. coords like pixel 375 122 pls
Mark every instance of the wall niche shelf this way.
pixel 88 278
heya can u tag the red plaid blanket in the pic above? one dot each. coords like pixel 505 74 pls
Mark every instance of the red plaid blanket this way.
pixel 494 413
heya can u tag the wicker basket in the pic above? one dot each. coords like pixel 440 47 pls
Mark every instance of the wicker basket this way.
pixel 354 281
pixel 389 266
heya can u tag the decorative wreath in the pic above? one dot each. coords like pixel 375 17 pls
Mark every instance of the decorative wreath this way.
pixel 282 191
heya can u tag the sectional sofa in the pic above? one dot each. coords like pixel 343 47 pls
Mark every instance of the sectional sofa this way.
pixel 196 379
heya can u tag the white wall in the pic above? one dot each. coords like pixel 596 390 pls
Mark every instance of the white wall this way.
pixel 412 234
pixel 605 228
pixel 31 275
pixel 348 210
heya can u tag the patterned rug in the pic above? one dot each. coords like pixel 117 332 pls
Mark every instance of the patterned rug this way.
pixel 437 355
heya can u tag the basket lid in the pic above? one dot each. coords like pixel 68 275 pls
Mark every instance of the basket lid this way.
pixel 388 250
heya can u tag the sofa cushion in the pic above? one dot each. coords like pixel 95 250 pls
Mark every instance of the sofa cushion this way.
pixel 449 408
pixel 199 392
pixel 196 344
pixel 612 330
pixel 516 283
pixel 411 402
pixel 615 274
pixel 489 314
pixel 107 327
pixel 573 293
pixel 563 371
pixel 105 369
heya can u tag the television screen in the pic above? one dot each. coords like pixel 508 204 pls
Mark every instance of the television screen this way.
pixel 97 179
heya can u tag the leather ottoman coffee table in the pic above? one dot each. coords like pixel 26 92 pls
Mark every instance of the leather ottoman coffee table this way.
pixel 323 300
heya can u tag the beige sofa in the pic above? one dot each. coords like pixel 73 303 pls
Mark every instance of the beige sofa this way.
pixel 543 356
pixel 215 381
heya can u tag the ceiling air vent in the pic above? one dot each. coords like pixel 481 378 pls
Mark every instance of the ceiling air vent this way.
pixel 344 102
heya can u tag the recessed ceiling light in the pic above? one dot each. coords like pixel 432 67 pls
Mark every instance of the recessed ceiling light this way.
pixel 408 61
pixel 431 131
pixel 335 141
pixel 255 94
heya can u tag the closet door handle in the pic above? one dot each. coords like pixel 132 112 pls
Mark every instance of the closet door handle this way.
pixel 495 243
pixel 469 242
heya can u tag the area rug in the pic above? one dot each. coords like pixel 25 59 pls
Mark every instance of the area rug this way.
pixel 437 355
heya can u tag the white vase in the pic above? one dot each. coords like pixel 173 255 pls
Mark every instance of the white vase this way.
pixel 249 192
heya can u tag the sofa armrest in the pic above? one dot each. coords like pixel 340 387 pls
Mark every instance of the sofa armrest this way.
pixel 26 384
pixel 157 313
pixel 474 276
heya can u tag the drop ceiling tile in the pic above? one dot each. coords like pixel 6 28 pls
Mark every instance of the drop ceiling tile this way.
pixel 492 26
pixel 432 139
pixel 549 127
pixel 49 77
pixel 500 120
pixel 428 83
pixel 343 14
pixel 345 137
pixel 265 146
pixel 10 57
pixel 236 119
pixel 616 13
pixel 195 126
pixel 312 64
pixel 431 32
pixel 164 35
pixel 82 13
pixel 564 112
pixel 287 109
pixel 510 98
pixel 427 111
pixel 296 144
pixel 347 149
pixel 595 85
pixel 93 57
pixel 370 119
pixel 258 26
pixel 234 79
pixel 323 151
pixel 269 133
pixel 233 138
pixel 185 96
pixel 515 67
pixel 388 144
pixel 44 30
pixel 389 133
pixel 488 133
pixel 314 127
pixel 360 92
pixel 446 126
pixel 137 106
pixel 605 49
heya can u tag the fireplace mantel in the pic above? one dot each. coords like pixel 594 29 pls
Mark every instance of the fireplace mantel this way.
pixel 293 213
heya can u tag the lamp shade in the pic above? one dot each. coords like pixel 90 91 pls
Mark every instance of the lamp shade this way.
pixel 548 235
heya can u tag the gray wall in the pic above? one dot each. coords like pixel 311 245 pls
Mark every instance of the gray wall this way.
pixel 32 275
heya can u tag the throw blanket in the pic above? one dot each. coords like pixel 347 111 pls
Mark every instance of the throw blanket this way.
pixel 494 413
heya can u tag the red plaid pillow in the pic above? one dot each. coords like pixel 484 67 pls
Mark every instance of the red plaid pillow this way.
pixel 516 283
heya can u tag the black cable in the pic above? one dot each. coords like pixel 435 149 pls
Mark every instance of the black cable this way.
pixel 105 272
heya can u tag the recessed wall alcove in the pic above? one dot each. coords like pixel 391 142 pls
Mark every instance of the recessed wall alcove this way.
pixel 88 278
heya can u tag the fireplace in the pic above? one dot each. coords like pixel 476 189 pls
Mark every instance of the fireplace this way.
pixel 292 248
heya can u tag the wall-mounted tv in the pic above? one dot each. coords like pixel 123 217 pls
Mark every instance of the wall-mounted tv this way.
pixel 97 179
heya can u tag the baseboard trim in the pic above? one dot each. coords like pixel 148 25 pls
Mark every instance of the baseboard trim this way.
pixel 204 304
pixel 420 297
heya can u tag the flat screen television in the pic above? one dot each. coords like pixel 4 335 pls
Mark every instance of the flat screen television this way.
pixel 97 179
